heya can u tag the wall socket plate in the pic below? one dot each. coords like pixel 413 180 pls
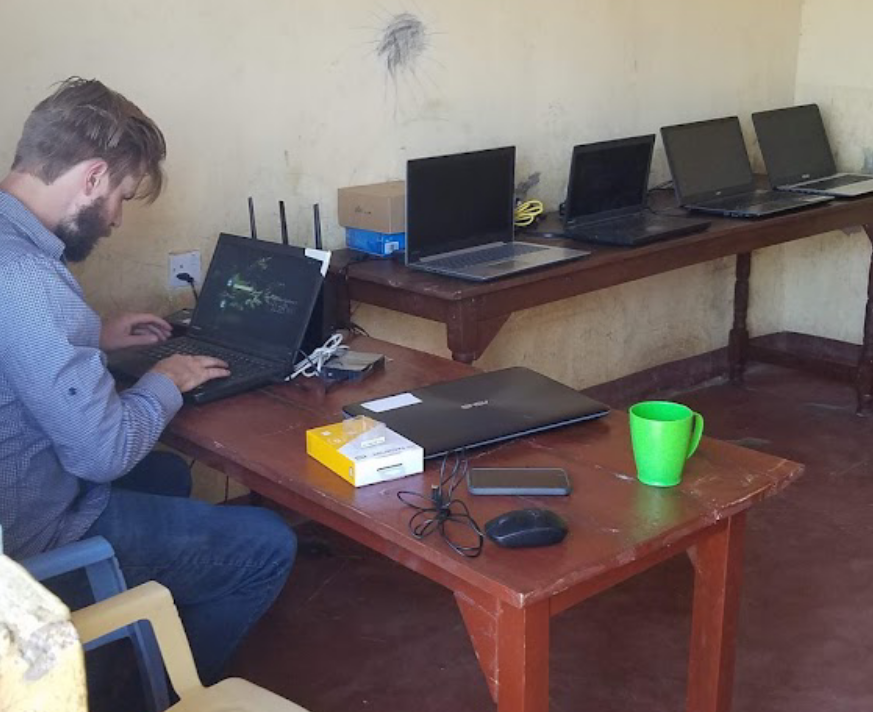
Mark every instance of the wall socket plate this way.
pixel 183 262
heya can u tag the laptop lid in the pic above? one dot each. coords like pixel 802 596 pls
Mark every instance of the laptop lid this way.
pixel 257 297
pixel 480 409
pixel 459 201
pixel 708 160
pixel 794 144
pixel 608 179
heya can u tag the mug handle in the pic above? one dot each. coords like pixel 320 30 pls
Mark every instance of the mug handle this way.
pixel 696 434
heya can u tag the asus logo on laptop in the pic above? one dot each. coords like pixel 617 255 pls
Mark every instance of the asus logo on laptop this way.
pixel 477 404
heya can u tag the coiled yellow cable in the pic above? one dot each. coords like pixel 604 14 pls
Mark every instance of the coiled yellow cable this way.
pixel 527 212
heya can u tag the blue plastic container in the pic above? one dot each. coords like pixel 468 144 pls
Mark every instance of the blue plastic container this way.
pixel 378 244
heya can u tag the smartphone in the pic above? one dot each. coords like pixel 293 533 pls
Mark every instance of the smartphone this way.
pixel 518 480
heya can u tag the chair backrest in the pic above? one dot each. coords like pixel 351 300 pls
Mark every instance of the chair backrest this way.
pixel 153 603
pixel 96 556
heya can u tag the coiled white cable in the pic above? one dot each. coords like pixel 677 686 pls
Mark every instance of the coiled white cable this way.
pixel 312 365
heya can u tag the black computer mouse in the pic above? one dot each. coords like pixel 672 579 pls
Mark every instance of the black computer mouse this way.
pixel 526 527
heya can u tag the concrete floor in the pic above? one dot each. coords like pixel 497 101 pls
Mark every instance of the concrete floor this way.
pixel 356 632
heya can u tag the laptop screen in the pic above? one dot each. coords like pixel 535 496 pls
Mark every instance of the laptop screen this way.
pixel 794 144
pixel 608 178
pixel 257 297
pixel 458 201
pixel 708 160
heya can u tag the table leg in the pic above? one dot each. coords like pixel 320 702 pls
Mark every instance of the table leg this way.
pixel 467 336
pixel 718 562
pixel 512 645
pixel 523 658
pixel 864 377
pixel 739 337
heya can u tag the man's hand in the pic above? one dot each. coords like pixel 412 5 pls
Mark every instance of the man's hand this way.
pixel 126 330
pixel 188 372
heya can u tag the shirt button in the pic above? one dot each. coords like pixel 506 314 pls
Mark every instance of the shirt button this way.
pixel 72 391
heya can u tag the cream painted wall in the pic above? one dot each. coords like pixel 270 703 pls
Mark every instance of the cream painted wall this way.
pixel 290 100
pixel 825 289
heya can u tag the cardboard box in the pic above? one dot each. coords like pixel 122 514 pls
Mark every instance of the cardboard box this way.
pixel 377 244
pixel 380 207
pixel 364 451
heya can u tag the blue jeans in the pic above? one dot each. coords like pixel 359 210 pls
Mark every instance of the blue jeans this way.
pixel 224 565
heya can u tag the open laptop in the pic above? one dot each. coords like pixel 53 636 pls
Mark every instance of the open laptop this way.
pixel 480 409
pixel 711 172
pixel 798 155
pixel 460 218
pixel 253 311
pixel 607 196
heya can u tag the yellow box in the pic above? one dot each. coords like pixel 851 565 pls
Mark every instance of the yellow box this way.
pixel 364 451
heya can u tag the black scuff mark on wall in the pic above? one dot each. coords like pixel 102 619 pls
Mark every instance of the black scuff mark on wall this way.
pixel 404 40
pixel 528 184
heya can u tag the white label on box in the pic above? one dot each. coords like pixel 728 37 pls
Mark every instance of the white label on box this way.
pixel 402 400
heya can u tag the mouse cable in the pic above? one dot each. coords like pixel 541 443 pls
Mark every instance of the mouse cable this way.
pixel 527 212
pixel 436 512
pixel 312 364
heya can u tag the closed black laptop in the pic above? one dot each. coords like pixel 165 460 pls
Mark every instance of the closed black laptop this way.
pixel 711 172
pixel 253 311
pixel 607 196
pixel 460 218
pixel 481 409
pixel 798 155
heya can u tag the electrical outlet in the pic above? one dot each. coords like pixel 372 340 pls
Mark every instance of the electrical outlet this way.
pixel 183 262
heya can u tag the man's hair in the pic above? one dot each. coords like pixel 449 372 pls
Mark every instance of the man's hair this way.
pixel 84 119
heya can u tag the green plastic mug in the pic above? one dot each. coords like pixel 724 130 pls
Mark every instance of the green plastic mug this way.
pixel 663 435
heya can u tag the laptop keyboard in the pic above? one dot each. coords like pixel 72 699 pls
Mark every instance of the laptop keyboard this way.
pixel 498 253
pixel 241 365
pixel 838 182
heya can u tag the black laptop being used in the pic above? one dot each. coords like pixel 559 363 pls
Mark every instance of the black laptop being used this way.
pixel 253 311
pixel 460 218
pixel 607 196
pixel 798 155
pixel 481 409
pixel 711 172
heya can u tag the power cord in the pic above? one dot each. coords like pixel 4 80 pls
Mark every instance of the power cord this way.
pixel 312 364
pixel 185 277
pixel 436 512
pixel 527 212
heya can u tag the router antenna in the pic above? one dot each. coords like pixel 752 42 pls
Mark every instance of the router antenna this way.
pixel 252 225
pixel 316 217
pixel 283 224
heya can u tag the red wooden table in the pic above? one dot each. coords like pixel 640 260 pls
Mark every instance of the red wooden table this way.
pixel 618 527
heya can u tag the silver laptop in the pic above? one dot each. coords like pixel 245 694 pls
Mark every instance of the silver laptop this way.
pixel 460 218
pixel 798 155
pixel 711 172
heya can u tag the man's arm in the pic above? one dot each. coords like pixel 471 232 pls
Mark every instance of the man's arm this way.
pixel 97 434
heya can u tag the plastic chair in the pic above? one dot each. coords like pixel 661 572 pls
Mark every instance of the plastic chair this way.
pixel 96 556
pixel 154 603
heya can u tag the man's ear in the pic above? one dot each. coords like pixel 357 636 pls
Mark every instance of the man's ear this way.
pixel 96 177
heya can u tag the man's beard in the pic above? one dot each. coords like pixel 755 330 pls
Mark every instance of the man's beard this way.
pixel 81 232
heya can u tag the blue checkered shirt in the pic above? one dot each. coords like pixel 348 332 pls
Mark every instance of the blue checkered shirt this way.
pixel 64 430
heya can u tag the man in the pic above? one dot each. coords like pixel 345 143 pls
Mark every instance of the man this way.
pixel 74 454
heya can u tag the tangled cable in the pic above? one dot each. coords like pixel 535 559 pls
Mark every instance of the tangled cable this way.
pixel 311 365
pixel 441 510
pixel 527 212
